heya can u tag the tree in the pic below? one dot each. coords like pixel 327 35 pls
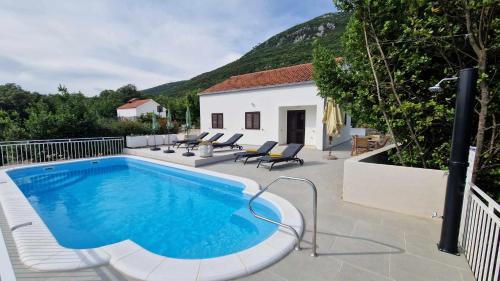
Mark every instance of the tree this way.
pixel 393 51
pixel 66 116
pixel 9 129
pixel 15 99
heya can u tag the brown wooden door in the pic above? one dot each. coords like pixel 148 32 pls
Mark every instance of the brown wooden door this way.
pixel 296 126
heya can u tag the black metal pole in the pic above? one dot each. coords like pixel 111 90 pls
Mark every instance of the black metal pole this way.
pixel 458 161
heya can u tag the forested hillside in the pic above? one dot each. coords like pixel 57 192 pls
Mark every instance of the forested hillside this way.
pixel 293 46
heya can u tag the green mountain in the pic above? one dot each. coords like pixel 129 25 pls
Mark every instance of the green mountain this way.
pixel 290 47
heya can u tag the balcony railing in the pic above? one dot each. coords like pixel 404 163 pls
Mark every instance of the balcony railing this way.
pixel 481 234
pixel 39 151
pixel 480 229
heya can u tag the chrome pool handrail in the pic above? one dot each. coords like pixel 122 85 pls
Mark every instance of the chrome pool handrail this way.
pixel 315 211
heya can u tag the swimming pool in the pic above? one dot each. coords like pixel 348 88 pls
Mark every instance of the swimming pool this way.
pixel 168 212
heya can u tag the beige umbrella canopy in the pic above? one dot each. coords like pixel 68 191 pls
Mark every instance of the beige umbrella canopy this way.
pixel 333 121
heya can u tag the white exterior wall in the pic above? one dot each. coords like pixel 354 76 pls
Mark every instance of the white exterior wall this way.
pixel 345 135
pixel 273 104
pixel 148 107
pixel 126 113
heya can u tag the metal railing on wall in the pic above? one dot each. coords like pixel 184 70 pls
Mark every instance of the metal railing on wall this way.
pixel 39 151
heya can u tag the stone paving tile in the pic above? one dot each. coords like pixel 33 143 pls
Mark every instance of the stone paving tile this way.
pixel 365 253
pixel 467 275
pixel 356 213
pixel 301 266
pixel 426 247
pixel 324 241
pixel 264 276
pixel 351 273
pixel 394 238
pixel 409 224
pixel 332 223
pixel 407 267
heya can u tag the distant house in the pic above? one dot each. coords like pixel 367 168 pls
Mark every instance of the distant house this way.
pixel 280 104
pixel 135 108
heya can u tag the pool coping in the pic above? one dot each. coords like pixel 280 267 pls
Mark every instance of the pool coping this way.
pixel 39 250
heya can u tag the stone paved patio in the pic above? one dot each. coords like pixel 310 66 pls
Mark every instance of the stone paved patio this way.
pixel 355 242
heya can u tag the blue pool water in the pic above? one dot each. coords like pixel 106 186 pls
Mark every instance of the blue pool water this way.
pixel 168 211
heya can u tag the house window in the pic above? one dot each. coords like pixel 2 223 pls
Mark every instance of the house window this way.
pixel 252 120
pixel 159 108
pixel 217 121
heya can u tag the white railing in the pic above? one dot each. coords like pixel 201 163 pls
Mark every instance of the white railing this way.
pixel 37 151
pixel 481 234
pixel 479 229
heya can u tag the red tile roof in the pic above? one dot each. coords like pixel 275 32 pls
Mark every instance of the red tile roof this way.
pixel 280 76
pixel 133 103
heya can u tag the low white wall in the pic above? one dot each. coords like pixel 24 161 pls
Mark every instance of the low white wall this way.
pixel 143 141
pixel 412 191
pixel 136 141
pixel 156 139
pixel 358 132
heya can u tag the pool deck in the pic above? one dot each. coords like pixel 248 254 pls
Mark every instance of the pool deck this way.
pixel 178 158
pixel 354 242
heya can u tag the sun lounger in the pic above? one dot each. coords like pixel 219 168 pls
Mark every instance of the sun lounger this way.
pixel 195 143
pixel 261 151
pixel 199 137
pixel 231 142
pixel 289 154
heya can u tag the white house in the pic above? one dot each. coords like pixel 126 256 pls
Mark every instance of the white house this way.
pixel 134 108
pixel 280 104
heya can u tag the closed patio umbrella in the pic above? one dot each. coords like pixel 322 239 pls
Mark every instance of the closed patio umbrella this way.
pixel 154 127
pixel 188 118
pixel 169 126
pixel 333 121
pixel 188 126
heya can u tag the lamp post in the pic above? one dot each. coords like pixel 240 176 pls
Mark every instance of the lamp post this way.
pixel 464 110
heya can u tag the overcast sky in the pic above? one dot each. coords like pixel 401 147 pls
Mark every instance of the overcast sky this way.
pixel 89 45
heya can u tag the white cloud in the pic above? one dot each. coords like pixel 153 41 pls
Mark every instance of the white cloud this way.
pixel 93 45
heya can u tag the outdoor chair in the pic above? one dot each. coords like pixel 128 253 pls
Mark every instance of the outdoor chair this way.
pixel 289 154
pixel 383 142
pixel 360 145
pixel 185 141
pixel 231 142
pixel 195 143
pixel 261 151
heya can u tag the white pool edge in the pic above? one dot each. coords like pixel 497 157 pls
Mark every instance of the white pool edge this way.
pixel 6 268
pixel 39 250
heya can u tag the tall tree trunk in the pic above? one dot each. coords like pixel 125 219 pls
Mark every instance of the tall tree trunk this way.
pixel 483 112
pixel 379 97
pixel 477 41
